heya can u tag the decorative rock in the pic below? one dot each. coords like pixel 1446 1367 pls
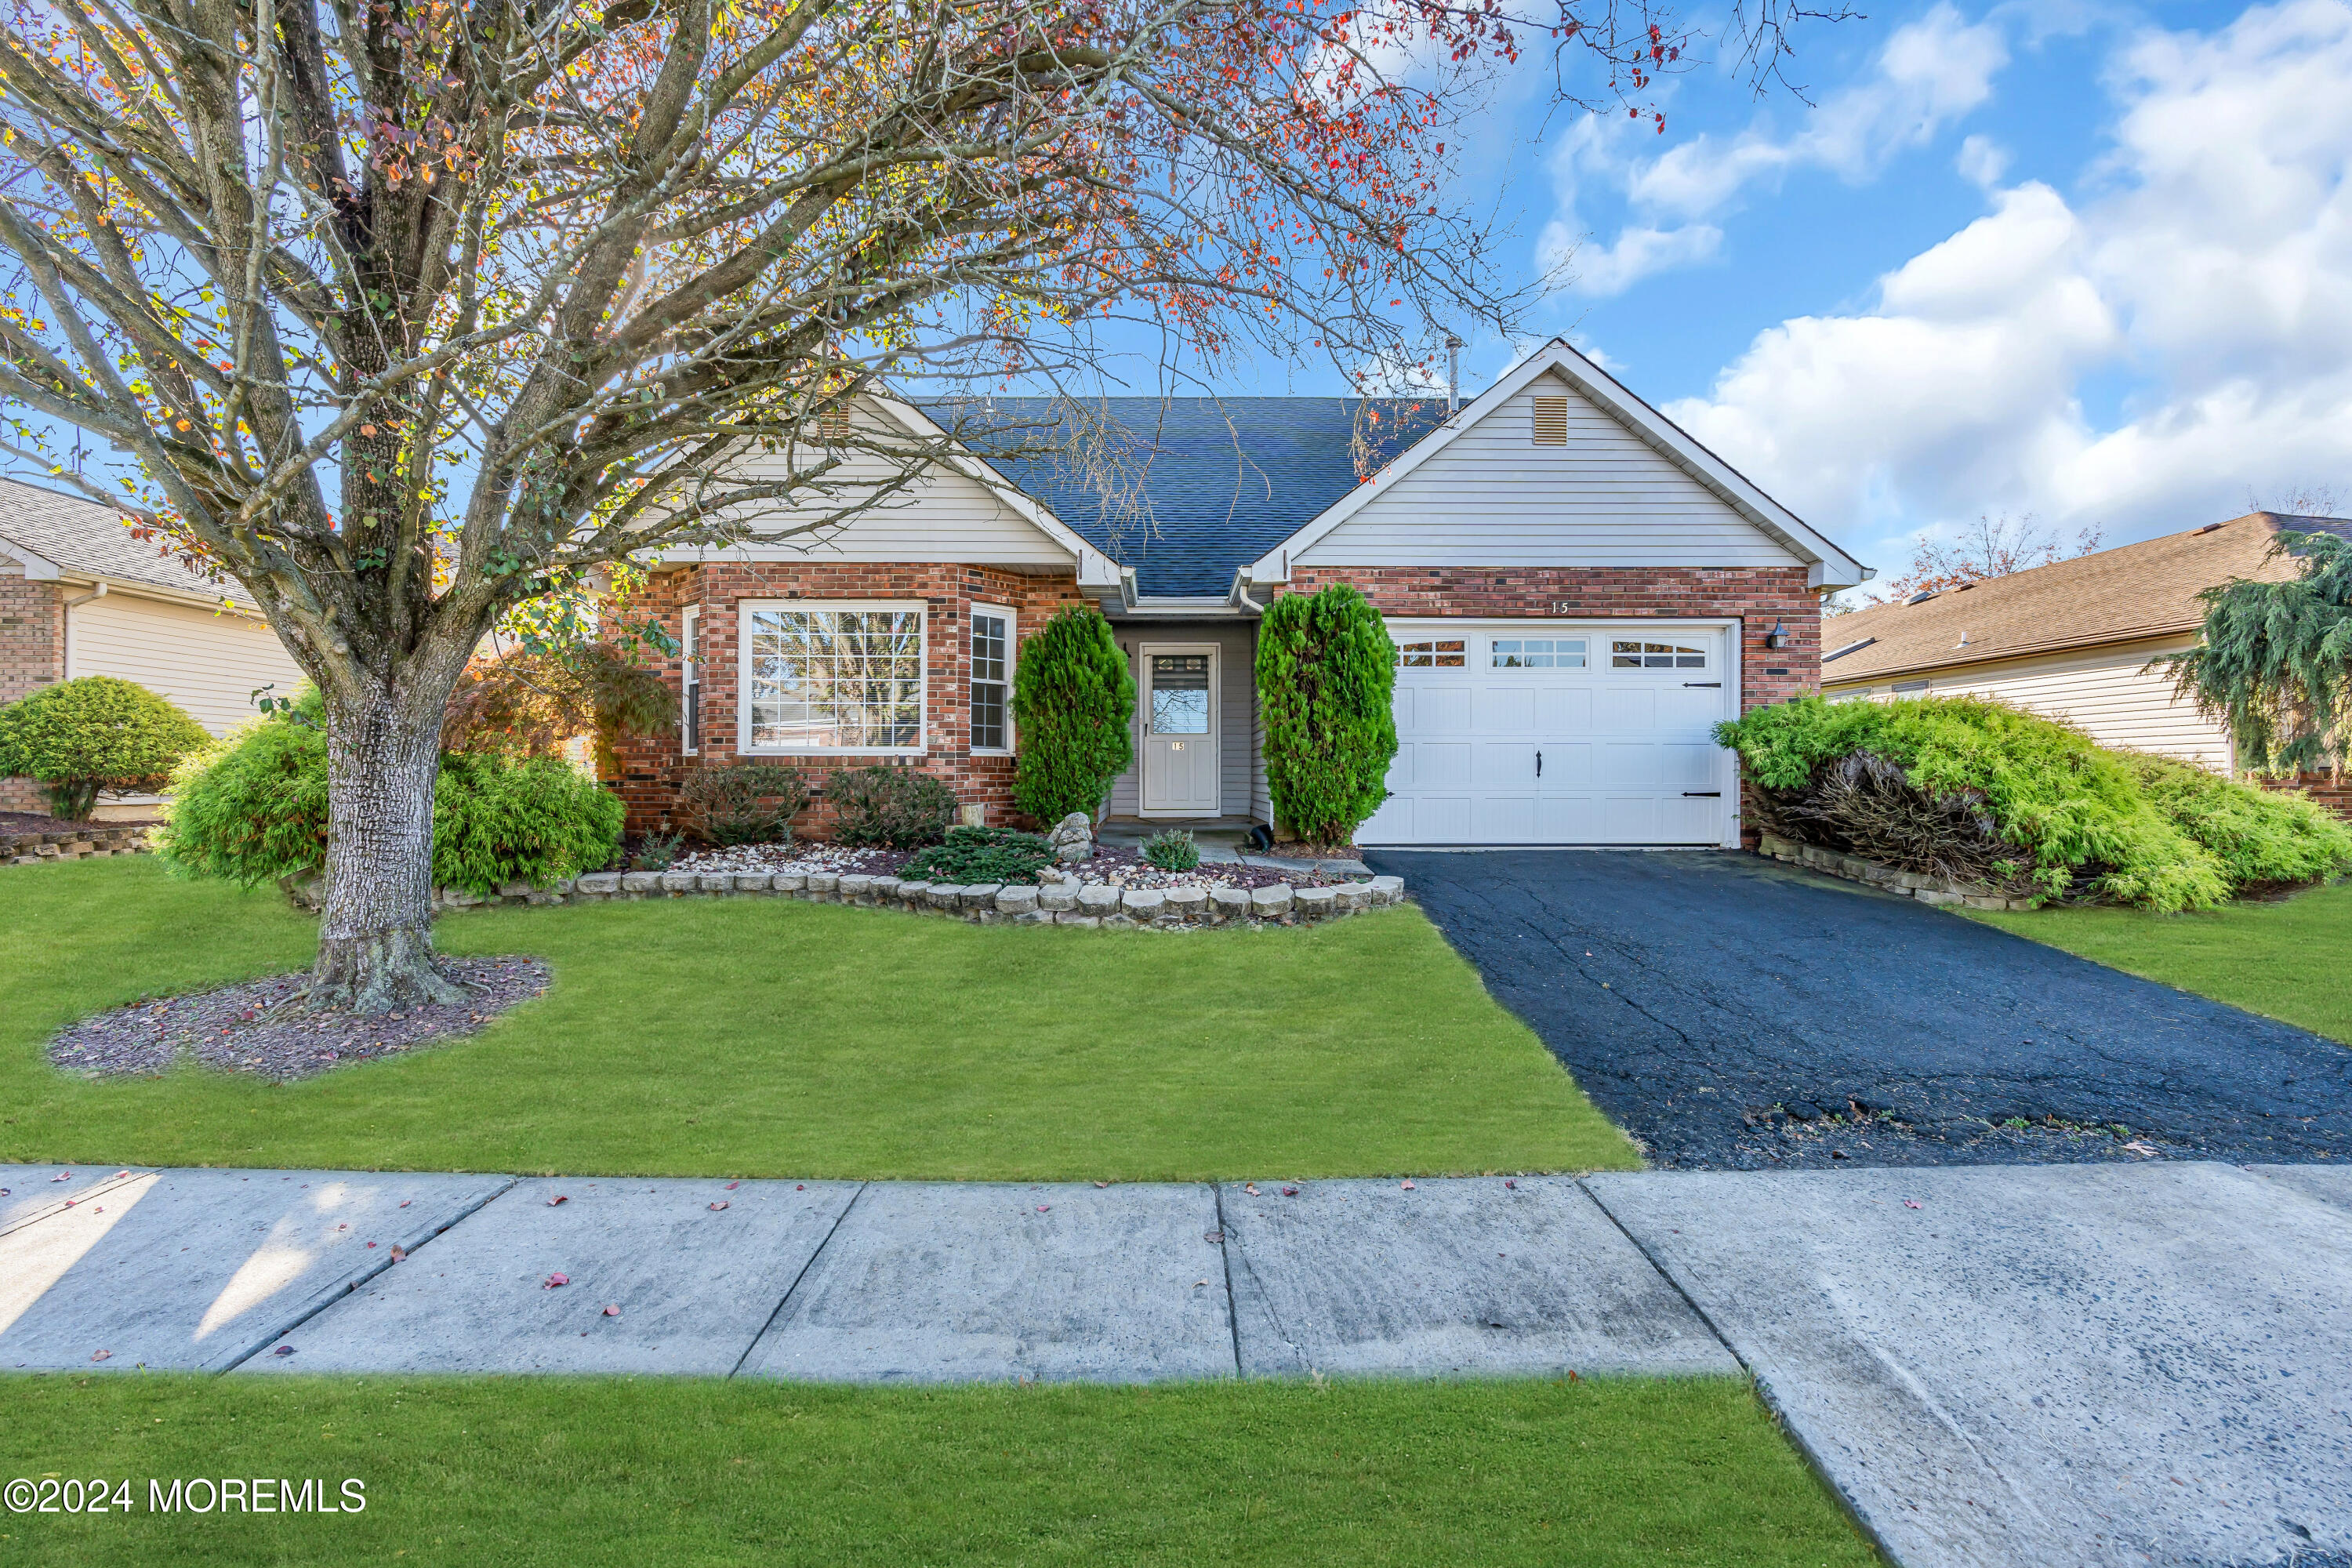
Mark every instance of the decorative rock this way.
pixel 1349 897
pixel 916 895
pixel 459 898
pixel 1074 919
pixel 885 890
pixel 677 884
pixel 1986 902
pixel 1229 903
pixel 1317 903
pixel 788 882
pixel 1938 896
pixel 1073 839
pixel 1387 889
pixel 599 884
pixel 1270 904
pixel 1017 901
pixel 514 889
pixel 1144 903
pixel 1057 897
pixel 1033 917
pixel 980 896
pixel 641 881
pixel 753 881
pixel 856 889
pixel 1120 922
pixel 824 884
pixel 1099 898
pixel 716 883
pixel 945 895
pixel 1188 903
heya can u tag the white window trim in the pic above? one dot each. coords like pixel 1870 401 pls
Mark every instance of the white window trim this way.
pixel 690 661
pixel 1012 658
pixel 746 608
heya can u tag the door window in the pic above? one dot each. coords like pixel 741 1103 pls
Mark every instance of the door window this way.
pixel 1180 694
pixel 1537 653
pixel 1656 656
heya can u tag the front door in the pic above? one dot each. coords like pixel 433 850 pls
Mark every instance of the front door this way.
pixel 1180 729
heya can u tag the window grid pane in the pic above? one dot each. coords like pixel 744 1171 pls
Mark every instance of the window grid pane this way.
pixel 836 679
pixel 992 637
pixel 1435 654
pixel 1656 656
pixel 1536 653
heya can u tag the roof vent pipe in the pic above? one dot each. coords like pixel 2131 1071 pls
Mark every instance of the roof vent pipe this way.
pixel 1453 376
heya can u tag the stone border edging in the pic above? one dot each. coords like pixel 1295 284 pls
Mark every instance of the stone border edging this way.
pixel 34 848
pixel 990 903
pixel 1927 890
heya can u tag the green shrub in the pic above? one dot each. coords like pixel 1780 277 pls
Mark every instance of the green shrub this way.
pixel 749 803
pixel 253 809
pixel 95 733
pixel 1326 675
pixel 497 818
pixel 974 855
pixel 1073 702
pixel 2261 837
pixel 1171 849
pixel 2075 814
pixel 657 851
pixel 899 808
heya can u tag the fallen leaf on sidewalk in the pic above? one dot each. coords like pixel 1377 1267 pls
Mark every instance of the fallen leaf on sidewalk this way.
pixel 399 1253
pixel 553 1281
pixel 1513 1186
pixel 1911 1203
pixel 62 1176
pixel 1102 1184
pixel 99 1355
pixel 732 1185
pixel 1250 1188
pixel 1043 1207
pixel 405 1202
pixel 1290 1192
pixel 283 1349
pixel 720 1205
pixel 558 1198
pixel 614 1310
pixel 1406 1186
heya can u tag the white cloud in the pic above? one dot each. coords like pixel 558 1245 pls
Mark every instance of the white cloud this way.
pixel 1930 73
pixel 1983 162
pixel 2213 268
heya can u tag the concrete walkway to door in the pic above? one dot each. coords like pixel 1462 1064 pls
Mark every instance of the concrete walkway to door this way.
pixel 2027 1365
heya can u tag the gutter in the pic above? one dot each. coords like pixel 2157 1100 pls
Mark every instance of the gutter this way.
pixel 2024 650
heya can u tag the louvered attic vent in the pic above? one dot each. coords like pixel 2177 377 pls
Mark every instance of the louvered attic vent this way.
pixel 1550 426
pixel 833 425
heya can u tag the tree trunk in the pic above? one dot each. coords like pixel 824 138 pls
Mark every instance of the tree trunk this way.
pixel 375 938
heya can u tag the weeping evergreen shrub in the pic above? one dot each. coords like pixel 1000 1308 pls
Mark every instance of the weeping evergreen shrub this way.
pixel 253 809
pixel 1073 703
pixel 93 733
pixel 2274 660
pixel 1326 673
pixel 1984 788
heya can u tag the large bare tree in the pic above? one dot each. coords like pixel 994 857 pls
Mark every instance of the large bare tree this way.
pixel 403 312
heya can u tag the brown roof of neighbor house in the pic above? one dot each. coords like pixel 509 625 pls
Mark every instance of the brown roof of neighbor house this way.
pixel 2134 591
pixel 86 540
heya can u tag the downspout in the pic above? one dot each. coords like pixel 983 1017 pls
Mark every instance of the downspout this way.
pixel 65 628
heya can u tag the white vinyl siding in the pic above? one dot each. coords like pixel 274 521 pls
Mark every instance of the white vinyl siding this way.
pixel 2102 691
pixel 1493 497
pixel 208 662
pixel 942 516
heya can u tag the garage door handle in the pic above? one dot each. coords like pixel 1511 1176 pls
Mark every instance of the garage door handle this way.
pixel 1702 795
pixel 1538 765
pixel 1714 683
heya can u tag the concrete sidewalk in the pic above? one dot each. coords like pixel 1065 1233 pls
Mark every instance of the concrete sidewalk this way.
pixel 2039 1365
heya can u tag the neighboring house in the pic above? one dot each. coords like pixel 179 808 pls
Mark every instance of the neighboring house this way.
pixel 1579 592
pixel 2071 639
pixel 79 595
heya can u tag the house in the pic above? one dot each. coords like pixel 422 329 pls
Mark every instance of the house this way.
pixel 2072 639
pixel 1579 592
pixel 79 595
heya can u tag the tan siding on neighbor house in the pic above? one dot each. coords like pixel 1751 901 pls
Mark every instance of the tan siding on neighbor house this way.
pixel 1494 498
pixel 2106 692
pixel 208 663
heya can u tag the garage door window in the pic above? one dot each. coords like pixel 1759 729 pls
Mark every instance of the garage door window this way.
pixel 1656 656
pixel 1433 655
pixel 1537 653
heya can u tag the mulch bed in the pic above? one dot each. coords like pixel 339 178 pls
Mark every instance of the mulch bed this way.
pixel 233 1029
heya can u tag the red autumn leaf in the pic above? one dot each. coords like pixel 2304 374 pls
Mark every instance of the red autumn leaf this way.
pixel 614 1310
pixel 553 1281
pixel 720 1205
pixel 558 1198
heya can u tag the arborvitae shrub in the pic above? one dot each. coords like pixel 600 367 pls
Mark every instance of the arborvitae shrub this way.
pixel 1073 701
pixel 1326 674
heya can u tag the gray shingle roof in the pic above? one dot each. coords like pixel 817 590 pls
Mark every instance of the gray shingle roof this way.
pixel 1200 485
pixel 82 536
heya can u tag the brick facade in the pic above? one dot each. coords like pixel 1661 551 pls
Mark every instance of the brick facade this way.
pixel 32 654
pixel 651 769
pixel 1758 597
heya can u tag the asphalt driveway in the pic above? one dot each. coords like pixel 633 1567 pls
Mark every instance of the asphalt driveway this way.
pixel 1732 1013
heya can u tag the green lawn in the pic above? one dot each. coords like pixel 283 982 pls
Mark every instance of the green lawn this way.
pixel 565 1472
pixel 774 1038
pixel 2281 958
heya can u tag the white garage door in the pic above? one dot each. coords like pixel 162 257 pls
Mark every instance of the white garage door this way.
pixel 1558 732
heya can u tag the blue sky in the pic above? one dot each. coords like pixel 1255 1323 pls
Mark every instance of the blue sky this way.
pixel 2088 262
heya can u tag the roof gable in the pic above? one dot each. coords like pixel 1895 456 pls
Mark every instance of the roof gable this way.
pixel 1828 565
